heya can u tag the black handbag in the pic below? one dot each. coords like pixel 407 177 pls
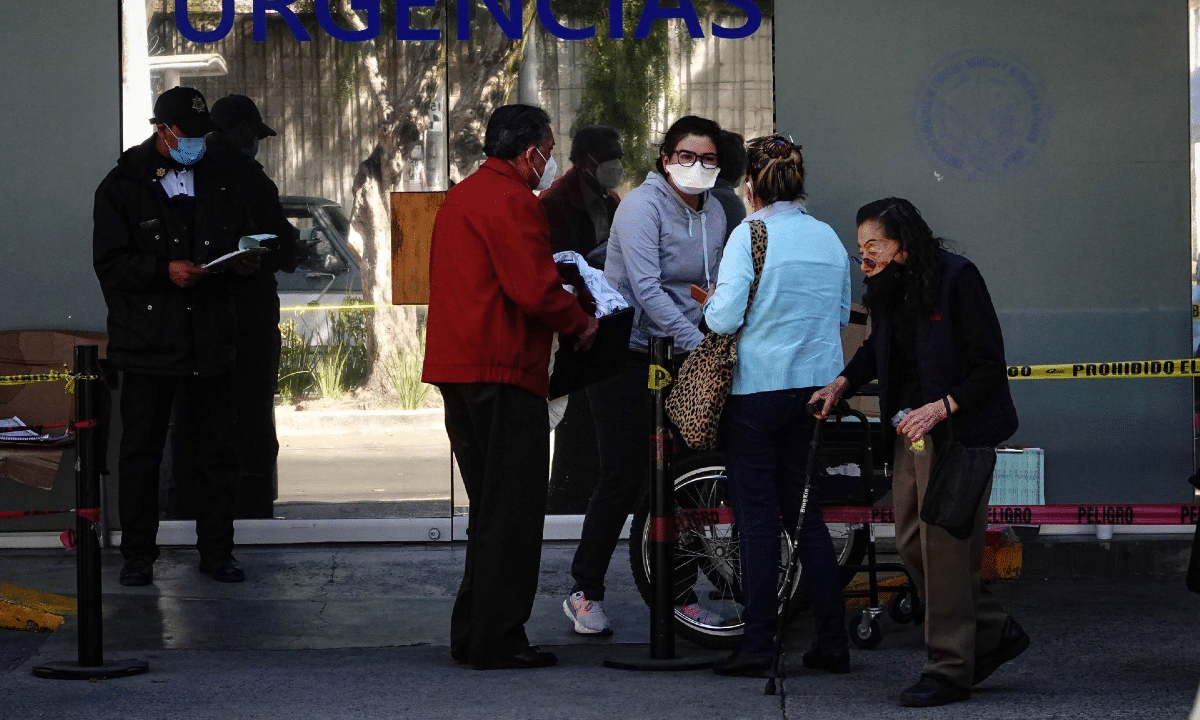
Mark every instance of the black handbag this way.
pixel 1193 571
pixel 957 485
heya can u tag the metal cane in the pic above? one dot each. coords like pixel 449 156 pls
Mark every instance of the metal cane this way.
pixel 789 576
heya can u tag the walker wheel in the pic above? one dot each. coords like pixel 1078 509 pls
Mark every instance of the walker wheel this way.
pixel 867 638
pixel 900 607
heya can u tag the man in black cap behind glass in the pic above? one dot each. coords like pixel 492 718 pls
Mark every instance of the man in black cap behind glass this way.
pixel 256 378
pixel 163 213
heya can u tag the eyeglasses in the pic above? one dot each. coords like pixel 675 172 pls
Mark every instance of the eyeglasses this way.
pixel 864 262
pixel 687 158
pixel 868 263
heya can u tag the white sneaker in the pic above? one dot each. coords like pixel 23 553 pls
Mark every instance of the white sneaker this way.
pixel 588 615
pixel 700 615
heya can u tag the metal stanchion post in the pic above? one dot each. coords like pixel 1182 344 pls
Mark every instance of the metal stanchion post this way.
pixel 661 527
pixel 662 508
pixel 91 663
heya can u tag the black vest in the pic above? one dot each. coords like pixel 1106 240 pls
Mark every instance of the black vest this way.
pixel 940 368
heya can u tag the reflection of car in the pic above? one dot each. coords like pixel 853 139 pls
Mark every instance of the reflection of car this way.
pixel 330 272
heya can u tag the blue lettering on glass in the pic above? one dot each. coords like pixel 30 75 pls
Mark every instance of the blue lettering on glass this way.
pixel 616 19
pixel 370 32
pixel 753 21
pixel 510 22
pixel 557 29
pixel 189 31
pixel 686 12
pixel 261 7
pixel 405 30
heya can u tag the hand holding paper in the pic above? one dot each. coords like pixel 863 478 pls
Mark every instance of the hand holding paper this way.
pixel 248 246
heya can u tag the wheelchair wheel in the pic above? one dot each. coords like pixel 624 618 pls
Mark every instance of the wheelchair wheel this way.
pixel 706 576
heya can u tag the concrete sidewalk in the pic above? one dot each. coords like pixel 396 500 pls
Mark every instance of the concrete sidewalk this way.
pixel 360 631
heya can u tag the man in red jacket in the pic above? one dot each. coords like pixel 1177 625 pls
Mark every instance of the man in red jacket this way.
pixel 495 301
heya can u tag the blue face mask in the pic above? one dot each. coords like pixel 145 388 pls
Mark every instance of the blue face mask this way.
pixel 188 150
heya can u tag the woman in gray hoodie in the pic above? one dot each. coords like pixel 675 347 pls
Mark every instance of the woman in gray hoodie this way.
pixel 667 235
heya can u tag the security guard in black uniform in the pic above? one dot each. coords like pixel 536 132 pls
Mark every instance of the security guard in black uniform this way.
pixel 163 213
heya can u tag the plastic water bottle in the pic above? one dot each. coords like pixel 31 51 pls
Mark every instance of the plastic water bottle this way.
pixel 917 447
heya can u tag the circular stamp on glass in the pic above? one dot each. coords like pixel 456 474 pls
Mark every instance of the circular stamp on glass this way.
pixel 981 114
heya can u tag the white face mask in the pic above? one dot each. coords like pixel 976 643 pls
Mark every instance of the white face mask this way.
pixel 609 173
pixel 692 180
pixel 548 173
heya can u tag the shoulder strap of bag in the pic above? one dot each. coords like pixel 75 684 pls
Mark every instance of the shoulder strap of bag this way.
pixel 758 254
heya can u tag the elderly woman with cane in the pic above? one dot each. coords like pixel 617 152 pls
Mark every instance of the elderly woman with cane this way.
pixel 789 345
pixel 936 348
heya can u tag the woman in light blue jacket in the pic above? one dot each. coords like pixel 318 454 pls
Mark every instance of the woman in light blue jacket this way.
pixel 790 344
pixel 666 236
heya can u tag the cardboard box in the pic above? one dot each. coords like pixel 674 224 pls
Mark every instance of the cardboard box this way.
pixel 34 352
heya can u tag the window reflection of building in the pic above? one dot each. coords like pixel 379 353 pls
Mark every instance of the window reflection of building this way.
pixel 327 117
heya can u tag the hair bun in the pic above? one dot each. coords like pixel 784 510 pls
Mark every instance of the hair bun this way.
pixel 775 147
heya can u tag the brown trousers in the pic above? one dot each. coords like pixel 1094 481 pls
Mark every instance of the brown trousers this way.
pixel 962 618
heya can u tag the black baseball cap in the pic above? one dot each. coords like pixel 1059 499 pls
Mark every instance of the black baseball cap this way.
pixel 184 108
pixel 233 110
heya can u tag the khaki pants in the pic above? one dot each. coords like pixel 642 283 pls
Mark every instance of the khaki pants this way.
pixel 962 618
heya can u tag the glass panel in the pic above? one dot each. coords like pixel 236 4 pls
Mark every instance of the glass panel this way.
pixel 360 435
pixel 1194 63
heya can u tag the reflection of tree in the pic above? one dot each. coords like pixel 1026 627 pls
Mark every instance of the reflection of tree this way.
pixel 627 82
pixel 624 83
pixel 487 71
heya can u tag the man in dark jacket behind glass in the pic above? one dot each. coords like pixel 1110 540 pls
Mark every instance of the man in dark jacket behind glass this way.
pixel 160 216
pixel 256 378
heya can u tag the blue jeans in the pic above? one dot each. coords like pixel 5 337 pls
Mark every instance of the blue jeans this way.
pixel 764 441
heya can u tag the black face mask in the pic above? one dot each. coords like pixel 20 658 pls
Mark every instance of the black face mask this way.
pixel 887 284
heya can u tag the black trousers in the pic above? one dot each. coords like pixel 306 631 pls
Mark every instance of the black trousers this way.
pixel 146 402
pixel 621 412
pixel 255 383
pixel 501 437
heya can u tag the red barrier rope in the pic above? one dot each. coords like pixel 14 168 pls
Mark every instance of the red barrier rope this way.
pixel 50 426
pixel 67 537
pixel 1092 514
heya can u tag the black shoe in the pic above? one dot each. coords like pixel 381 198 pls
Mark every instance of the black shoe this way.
pixel 459 656
pixel 137 571
pixel 836 662
pixel 933 690
pixel 741 664
pixel 223 568
pixel 1013 642
pixel 530 657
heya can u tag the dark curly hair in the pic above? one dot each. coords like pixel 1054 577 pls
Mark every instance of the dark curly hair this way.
pixel 902 222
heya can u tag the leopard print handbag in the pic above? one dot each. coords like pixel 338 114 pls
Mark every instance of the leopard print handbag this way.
pixel 698 396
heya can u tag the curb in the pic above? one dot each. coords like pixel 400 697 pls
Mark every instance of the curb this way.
pixel 290 422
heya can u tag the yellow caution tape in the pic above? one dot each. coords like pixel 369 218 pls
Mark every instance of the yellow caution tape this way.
pixel 659 378
pixel 1136 369
pixel 52 376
